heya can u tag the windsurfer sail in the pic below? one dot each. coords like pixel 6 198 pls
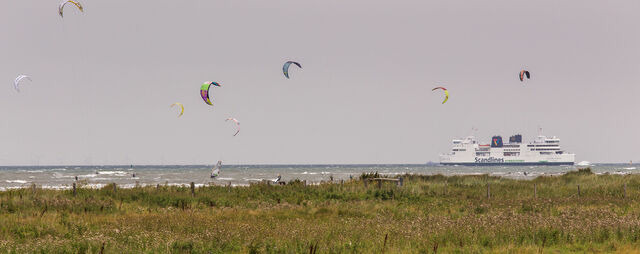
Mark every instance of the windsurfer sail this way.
pixel 277 180
pixel 215 171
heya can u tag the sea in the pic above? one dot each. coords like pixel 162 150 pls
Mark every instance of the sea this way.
pixel 63 177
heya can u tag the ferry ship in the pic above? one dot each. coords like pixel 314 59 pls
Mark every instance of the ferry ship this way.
pixel 541 151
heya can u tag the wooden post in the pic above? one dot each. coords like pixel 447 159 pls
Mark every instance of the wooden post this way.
pixel 625 190
pixel 488 191
pixel 379 184
pixel 115 187
pixel 535 190
pixel 400 182
pixel 33 188
pixel 365 182
pixel 74 189
pixel 305 182
pixel 578 190
pixel 193 189
pixel 157 186
pixel 341 182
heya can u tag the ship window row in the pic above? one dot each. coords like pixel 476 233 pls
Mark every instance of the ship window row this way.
pixel 511 154
pixel 546 149
pixel 459 150
pixel 542 145
pixel 511 146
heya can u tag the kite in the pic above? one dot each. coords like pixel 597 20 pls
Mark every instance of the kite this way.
pixel 16 82
pixel 61 6
pixel 446 93
pixel 181 108
pixel 237 125
pixel 204 91
pixel 524 73
pixel 285 67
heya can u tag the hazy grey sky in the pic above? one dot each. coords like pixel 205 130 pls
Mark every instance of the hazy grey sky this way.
pixel 103 80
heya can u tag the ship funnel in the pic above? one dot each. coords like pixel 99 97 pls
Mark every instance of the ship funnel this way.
pixel 515 139
pixel 496 141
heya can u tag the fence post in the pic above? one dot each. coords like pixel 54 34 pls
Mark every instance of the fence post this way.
pixel 625 190
pixel 74 189
pixel 193 189
pixel 366 180
pixel 305 182
pixel 578 190
pixel 488 191
pixel 400 181
pixel 379 183
pixel 535 190
pixel 115 187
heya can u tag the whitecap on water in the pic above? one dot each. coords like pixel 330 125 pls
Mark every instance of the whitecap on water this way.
pixel 59 175
pixel 115 173
pixel 15 181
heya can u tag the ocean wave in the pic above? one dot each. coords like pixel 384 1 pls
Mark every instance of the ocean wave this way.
pixel 35 171
pixel 224 178
pixel 59 175
pixel 15 181
pixel 115 173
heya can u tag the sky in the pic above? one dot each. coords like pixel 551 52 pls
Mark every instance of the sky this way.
pixel 103 80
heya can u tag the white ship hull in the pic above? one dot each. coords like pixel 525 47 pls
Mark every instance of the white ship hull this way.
pixel 542 151
pixel 562 159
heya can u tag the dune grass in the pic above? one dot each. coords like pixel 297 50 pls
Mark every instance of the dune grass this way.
pixel 428 214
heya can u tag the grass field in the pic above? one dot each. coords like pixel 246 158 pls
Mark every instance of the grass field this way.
pixel 428 214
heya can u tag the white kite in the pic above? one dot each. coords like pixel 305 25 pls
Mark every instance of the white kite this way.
pixel 16 83
pixel 237 125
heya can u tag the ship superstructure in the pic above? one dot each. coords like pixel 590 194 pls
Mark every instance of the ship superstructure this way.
pixel 542 150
